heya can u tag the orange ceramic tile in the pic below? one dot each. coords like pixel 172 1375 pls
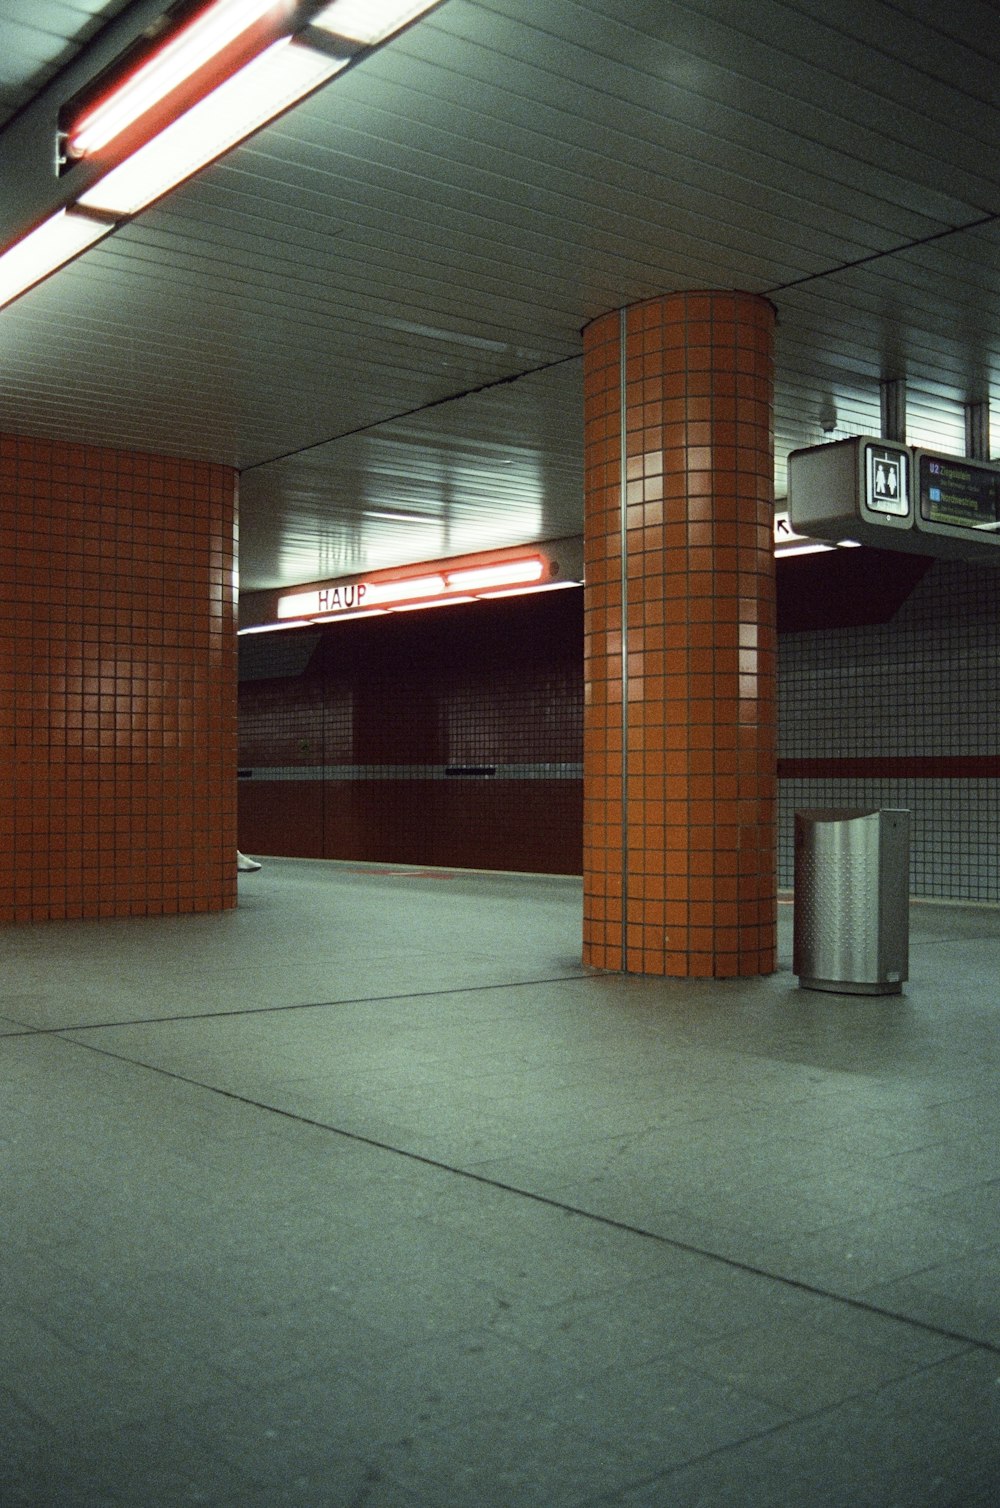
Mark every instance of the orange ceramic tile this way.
pixel 104 566
pixel 698 370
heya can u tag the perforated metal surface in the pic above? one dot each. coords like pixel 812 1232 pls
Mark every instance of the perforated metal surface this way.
pixel 851 904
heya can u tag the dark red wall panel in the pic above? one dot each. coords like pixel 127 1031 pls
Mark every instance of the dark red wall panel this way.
pixel 451 737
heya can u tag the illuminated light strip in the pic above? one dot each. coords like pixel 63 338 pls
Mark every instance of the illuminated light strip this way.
pixel 787 542
pixel 368 21
pixel 529 591
pixel 53 243
pixel 447 586
pixel 382 593
pixel 277 78
pixel 263 88
pixel 302 609
pixel 371 596
pixel 813 547
pixel 416 607
pixel 180 57
pixel 512 572
pixel 312 604
pixel 361 612
pixel 275 628
pixel 298 607
pixel 804 549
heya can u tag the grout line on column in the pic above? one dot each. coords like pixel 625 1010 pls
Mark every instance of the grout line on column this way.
pixel 623 542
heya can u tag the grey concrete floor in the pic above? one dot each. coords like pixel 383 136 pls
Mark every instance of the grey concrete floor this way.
pixel 368 1195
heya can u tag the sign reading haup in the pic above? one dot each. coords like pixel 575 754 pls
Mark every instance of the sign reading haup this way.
pixel 337 599
pixel 460 580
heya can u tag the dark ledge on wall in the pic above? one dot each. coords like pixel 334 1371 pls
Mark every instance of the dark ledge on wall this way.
pixel 845 588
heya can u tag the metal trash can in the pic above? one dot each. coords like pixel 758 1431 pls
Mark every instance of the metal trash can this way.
pixel 852 916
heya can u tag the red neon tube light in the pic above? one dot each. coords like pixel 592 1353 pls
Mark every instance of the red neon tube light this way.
pixel 210 33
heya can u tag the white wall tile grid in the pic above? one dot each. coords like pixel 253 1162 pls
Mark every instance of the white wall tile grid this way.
pixel 924 684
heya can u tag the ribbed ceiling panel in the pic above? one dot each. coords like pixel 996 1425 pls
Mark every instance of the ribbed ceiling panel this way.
pixel 337 306
pixel 38 37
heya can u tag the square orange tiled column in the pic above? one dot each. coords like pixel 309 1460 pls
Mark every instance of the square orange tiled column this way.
pixel 680 751
pixel 117 683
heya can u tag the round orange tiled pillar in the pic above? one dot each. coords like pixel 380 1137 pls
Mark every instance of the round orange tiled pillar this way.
pixel 680 718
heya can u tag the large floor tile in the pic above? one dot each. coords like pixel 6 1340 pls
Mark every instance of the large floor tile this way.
pixel 368 1194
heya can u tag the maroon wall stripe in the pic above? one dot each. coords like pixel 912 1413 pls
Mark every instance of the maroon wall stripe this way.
pixel 894 767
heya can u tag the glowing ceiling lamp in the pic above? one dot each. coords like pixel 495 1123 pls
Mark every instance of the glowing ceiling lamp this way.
pixel 440 588
pixel 53 243
pixel 509 573
pixel 449 601
pixel 274 628
pixel 263 88
pixel 813 548
pixel 165 70
pixel 530 591
pixel 256 58
pixel 384 593
pixel 369 21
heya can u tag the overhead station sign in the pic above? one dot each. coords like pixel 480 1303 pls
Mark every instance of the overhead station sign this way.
pixel 887 489
pixel 851 489
pixel 337 599
pixel 882 493
pixel 959 499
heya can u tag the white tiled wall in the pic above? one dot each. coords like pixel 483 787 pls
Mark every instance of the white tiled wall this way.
pixel 925 684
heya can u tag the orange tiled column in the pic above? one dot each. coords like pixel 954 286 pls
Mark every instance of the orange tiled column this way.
pixel 117 683
pixel 680 715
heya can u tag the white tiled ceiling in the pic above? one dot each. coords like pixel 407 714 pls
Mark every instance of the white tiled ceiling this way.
pixel 374 307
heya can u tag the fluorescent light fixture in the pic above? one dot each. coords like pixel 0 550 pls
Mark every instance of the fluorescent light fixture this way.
pixel 299 605
pixel 386 593
pixel 509 573
pixel 56 241
pixel 435 588
pixel 333 599
pixel 369 21
pixel 530 591
pixel 273 628
pixel 164 71
pixel 280 76
pixel 364 612
pixel 813 549
pixel 415 607
pixel 358 597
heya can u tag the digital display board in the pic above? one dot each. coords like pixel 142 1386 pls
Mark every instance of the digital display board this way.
pixel 959 493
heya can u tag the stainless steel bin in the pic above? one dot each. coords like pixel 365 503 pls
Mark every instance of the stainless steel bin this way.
pixel 852 916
